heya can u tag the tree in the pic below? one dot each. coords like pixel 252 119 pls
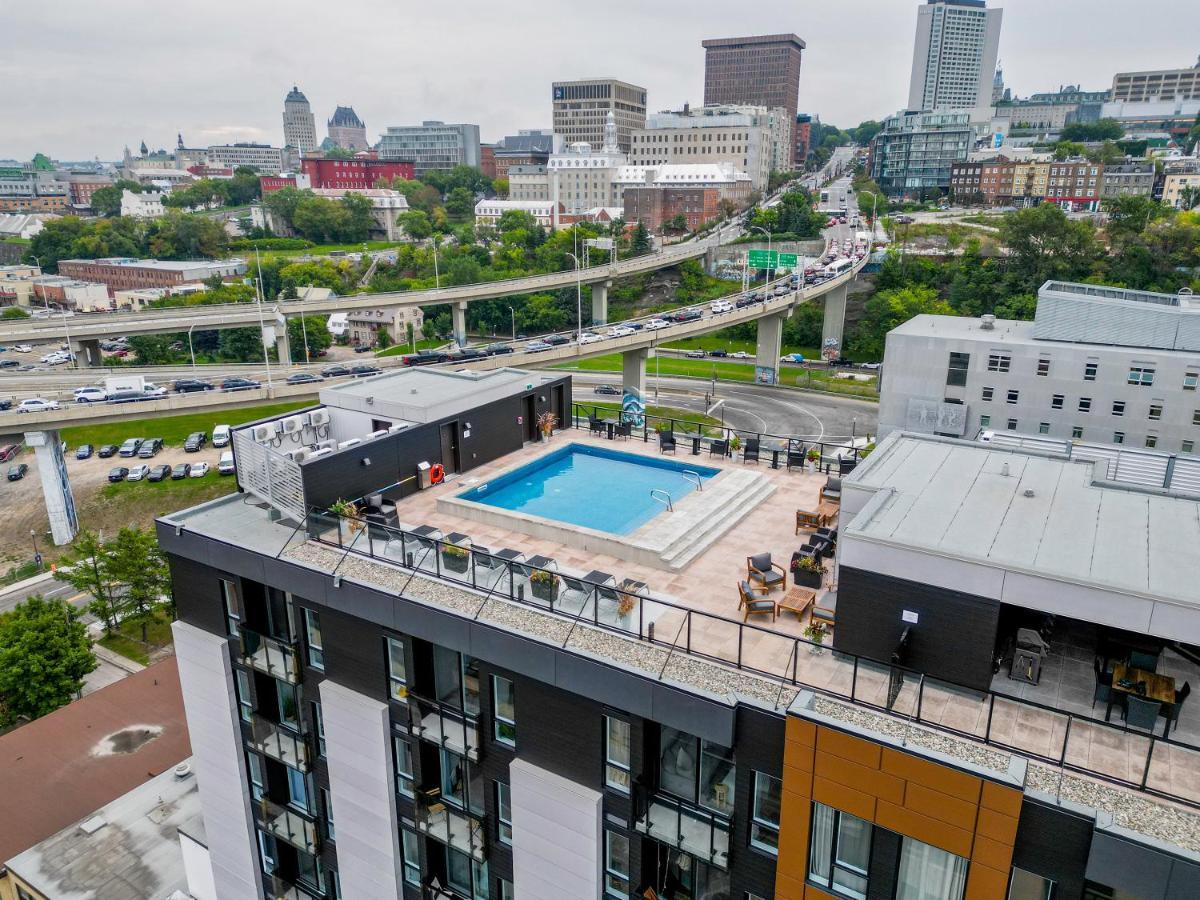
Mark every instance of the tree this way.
pixel 887 310
pixel 1129 215
pixel 44 654
pixel 416 225
pixel 106 201
pixel 135 563
pixel 241 344
pixel 1102 130
pixel 91 575
pixel 1189 198
pixel 14 312
pixel 1043 244
pixel 463 270
pixel 1067 150
pixel 500 186
pixel 639 244
pixel 152 349
pixel 1107 153
pixel 307 332
pixel 460 203
pixel 180 236
pixel 865 132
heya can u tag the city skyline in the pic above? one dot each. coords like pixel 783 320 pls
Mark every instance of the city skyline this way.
pixel 855 66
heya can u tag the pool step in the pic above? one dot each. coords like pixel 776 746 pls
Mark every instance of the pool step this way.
pixel 701 518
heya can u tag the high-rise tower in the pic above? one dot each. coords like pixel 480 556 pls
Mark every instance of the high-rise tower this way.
pixel 954 55
pixel 299 127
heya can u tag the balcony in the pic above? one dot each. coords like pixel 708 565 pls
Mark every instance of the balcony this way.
pixel 276 888
pixel 274 740
pixel 270 656
pixel 290 825
pixel 451 827
pixel 445 726
pixel 685 827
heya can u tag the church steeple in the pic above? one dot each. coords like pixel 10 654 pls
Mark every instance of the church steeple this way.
pixel 610 134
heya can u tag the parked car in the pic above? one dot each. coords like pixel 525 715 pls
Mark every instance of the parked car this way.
pixel 364 371
pixel 23 348
pixel 17 472
pixel 719 352
pixel 225 464
pixel 235 383
pixel 694 354
pixel 842 362
pixel 740 354
pixel 220 436
pixel 195 442
pixel 496 349
pixel 181 471
pixel 138 472
pixel 117 473
pixel 159 473
pixel 190 386
pixel 792 358
pixel 8 451
pixel 107 450
pixel 9 363
pixel 872 365
pixel 5 404
pixel 304 378
pixel 130 447
pixel 36 404
pixel 199 470
pixel 721 306
pixel 611 389
pixel 150 448
pixel 335 371
pixel 90 394
pixel 84 451
pixel 363 348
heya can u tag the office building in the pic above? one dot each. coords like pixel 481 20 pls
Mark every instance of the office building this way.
pixel 527 148
pixel 299 126
pixel 804 123
pixel 431 146
pixel 760 70
pixel 81 186
pixel 363 171
pixel 914 153
pixel 1162 84
pixel 580 110
pixel 347 130
pixel 954 55
pixel 530 183
pixel 396 711
pixel 490 210
pixel 124 273
pixel 1173 118
pixel 24 189
pixel 1179 175
pixel 261 158
pixel 1097 364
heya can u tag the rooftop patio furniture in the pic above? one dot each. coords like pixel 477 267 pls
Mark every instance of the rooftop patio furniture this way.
pixel 596 425
pixel 718 448
pixel 822 545
pixel 796 455
pixel 750 451
pixel 797 600
pixel 825 610
pixel 1144 660
pixel 1026 666
pixel 623 430
pixel 1172 710
pixel 762 571
pixel 1141 713
pixel 597 577
pixel 846 465
pixel 1103 690
pixel 754 604
pixel 807 519
pixel 666 441
pixel 830 534
pixel 832 490
pixel 827 510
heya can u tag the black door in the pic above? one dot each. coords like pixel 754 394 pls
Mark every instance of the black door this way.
pixel 450 447
pixel 530 419
pixel 560 407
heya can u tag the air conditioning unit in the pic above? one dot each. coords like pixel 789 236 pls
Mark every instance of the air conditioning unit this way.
pixel 299 456
pixel 399 427
pixel 327 445
pixel 292 425
pixel 318 417
pixel 265 433
pixel 350 443
pixel 376 434
pixel 324 451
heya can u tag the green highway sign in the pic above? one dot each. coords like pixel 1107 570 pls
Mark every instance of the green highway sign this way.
pixel 764 259
pixel 787 260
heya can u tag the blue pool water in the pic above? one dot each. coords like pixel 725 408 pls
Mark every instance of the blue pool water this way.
pixel 591 486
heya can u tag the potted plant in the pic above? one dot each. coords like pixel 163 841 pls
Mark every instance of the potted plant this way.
pixel 816 632
pixel 347 511
pixel 454 557
pixel 545 424
pixel 544 585
pixel 662 427
pixel 625 608
pixel 735 444
pixel 814 458
pixel 808 571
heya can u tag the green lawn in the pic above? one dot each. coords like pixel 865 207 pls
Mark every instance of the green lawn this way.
pixel 401 349
pixel 662 412
pixel 326 249
pixel 172 429
pixel 127 641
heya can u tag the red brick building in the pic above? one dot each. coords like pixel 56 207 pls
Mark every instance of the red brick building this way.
pixel 123 274
pixel 653 206
pixel 803 139
pixel 271 183
pixel 487 160
pixel 359 172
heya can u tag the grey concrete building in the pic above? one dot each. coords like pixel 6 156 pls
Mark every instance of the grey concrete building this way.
pixel 580 109
pixel 299 126
pixel 347 130
pixel 913 154
pixel 954 55
pixel 1161 84
pixel 431 145
pixel 1131 178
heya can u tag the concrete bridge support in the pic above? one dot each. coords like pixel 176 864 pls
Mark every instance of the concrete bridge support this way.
pixel 283 346
pixel 770 345
pixel 600 302
pixel 633 382
pixel 835 319
pixel 87 353
pixel 458 314
pixel 56 487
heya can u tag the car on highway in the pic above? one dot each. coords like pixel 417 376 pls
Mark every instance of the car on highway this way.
pixel 190 386
pixel 117 473
pixel 536 347
pixel 195 442
pixel 107 450
pixel 199 470
pixel 17 472
pixel 150 448
pixel 744 301
pixel 9 364
pixel 90 394
pixel 872 366
pixel 181 471
pixel 36 404
pixel 5 404
pixel 130 447
pixel 84 451
pixel 719 352
pixel 694 354
pixel 235 383
pixel 161 472
pixel 23 348
pixel 220 436
pixel 842 362
pixel 611 389
pixel 363 371
pixel 792 358
pixel 721 306
pixel 657 324
pixel 335 371
pixel 225 465
pixel 304 378
pixel 621 331
pixel 740 354
pixel 589 337
pixel 138 472
pixel 127 397
pixel 556 340
pixel 496 349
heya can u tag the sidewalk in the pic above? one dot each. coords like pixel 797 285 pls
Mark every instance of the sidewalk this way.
pixel 111 668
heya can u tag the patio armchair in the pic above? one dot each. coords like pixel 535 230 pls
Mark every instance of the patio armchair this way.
pixel 832 490
pixel 1103 692
pixel 825 610
pixel 754 603
pixel 1141 713
pixel 796 456
pixel 762 571
pixel 846 465
pixel 597 426
pixel 623 430
pixel 666 441
pixel 1172 710
pixel 718 448
pixel 830 534
pixel 750 451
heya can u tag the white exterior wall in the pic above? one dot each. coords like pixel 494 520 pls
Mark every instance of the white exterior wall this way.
pixel 362 789
pixel 558 835
pixel 197 868
pixel 206 676
pixel 954 56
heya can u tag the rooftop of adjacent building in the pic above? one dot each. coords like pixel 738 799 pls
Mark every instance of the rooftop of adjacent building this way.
pixel 60 768
pixel 751 40
pixel 164 264
pixel 126 850
pixel 346 117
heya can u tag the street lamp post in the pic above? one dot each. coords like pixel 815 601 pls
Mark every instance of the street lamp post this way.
pixel 191 350
pixel 37 557
pixel 512 312
pixel 578 300
pixel 874 206
pixel 262 325
pixel 437 278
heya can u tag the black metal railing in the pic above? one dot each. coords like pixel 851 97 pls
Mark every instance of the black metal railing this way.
pixel 276 887
pixel 687 827
pixel 271 656
pixel 296 827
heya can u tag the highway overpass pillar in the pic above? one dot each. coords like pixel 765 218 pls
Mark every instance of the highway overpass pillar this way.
pixel 600 302
pixel 633 380
pixel 835 320
pixel 87 352
pixel 283 347
pixel 56 487
pixel 458 313
pixel 770 344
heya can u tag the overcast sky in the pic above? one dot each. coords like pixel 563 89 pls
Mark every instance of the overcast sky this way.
pixel 84 78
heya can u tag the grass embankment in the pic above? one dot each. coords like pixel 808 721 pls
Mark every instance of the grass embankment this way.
pixel 401 349
pixel 172 429
pixel 127 640
pixel 716 342
pixel 326 249
pixel 661 412
pixel 138 503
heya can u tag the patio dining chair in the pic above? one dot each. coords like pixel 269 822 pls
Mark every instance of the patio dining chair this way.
pixel 666 441
pixel 1144 660
pixel 750 452
pixel 1103 691
pixel 718 448
pixel 1141 713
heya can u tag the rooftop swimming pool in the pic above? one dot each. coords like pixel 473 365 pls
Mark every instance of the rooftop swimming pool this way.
pixel 592 487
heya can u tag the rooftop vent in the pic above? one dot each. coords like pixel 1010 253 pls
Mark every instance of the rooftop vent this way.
pixel 1004 470
pixel 988 322
pixel 183 770
pixel 1028 492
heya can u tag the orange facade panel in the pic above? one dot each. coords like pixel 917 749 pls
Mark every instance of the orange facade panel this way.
pixel 931 775
pixel 924 829
pixel 984 883
pixel 1002 799
pixel 852 775
pixel 943 807
pixel 857 750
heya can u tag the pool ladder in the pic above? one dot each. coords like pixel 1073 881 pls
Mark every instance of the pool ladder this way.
pixel 654 495
pixel 695 476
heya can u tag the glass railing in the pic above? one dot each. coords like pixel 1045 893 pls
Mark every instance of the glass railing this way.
pixel 445 726
pixel 270 656
pixel 687 827
pixel 448 826
pixel 290 825
pixel 277 888
pixel 280 743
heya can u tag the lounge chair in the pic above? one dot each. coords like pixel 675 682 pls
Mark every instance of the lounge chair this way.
pixel 718 448
pixel 761 571
pixel 825 609
pixel 750 451
pixel 832 490
pixel 753 603
pixel 666 441
pixel 846 465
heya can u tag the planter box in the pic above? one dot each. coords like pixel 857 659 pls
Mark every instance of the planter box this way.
pixel 455 562
pixel 544 591
pixel 808 578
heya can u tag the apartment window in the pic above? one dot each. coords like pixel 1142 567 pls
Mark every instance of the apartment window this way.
pixel 1190 380
pixel 233 608
pixel 927 873
pixel 1013 397
pixel 956 372
pixel 327 805
pixel 1141 375
pixel 616 864
pixel 710 784
pixel 1056 402
pixel 999 362
pixel 1196 417
pixel 1155 411
pixel 1012 424
pixel 1085 404
pixel 1151 441
pixel 1118 408
pixel 1186 447
pixel 242 689
pixel 1076 432
pixel 258 780
pixel 319 726
pixel 404 767
pixel 1043 366
pixel 985 421
pixel 1118 437
pixel 504 711
pixel 988 393
pixel 412 857
pixel 1028 886
pixel 316 649
pixel 839 851
pixel 503 813
pixel 506 889
pixel 764 816
pixel 616 754
pixel 1043 427
pixel 397 672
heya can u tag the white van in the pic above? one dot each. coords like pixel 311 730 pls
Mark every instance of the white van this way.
pixel 220 436
pixel 225 465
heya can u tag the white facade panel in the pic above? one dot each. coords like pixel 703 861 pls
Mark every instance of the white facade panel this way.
pixel 206 677
pixel 558 839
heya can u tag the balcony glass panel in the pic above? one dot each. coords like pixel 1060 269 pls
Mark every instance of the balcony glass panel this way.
pixel 277 742
pixel 272 657
pixel 688 828
pixel 290 825
pixel 452 828
pixel 445 726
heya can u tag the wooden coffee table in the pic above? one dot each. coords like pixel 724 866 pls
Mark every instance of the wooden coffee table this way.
pixel 827 510
pixel 798 600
